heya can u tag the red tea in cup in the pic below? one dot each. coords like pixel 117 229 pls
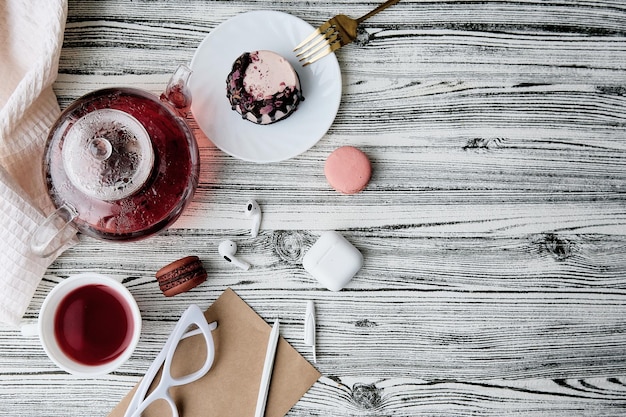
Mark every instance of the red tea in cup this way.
pixel 89 324
pixel 93 325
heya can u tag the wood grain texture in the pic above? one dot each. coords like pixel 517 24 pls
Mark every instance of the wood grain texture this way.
pixel 493 229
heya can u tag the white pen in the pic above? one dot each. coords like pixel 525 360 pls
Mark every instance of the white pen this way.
pixel 266 377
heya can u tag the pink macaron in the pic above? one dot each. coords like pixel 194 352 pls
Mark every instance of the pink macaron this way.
pixel 348 170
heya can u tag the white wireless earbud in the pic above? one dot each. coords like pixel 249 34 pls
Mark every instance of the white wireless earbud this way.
pixel 253 210
pixel 227 250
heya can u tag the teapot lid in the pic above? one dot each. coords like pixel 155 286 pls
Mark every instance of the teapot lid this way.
pixel 107 154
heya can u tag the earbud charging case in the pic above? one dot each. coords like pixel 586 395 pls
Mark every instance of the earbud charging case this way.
pixel 333 261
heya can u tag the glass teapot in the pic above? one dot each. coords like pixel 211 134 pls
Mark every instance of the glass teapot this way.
pixel 120 164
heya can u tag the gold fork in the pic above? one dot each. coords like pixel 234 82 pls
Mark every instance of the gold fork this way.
pixel 333 34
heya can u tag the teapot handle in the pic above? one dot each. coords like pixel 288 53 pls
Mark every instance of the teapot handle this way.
pixel 55 232
pixel 177 93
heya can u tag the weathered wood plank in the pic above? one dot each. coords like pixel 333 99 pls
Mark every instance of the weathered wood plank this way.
pixel 523 170
pixel 349 397
pixel 439 307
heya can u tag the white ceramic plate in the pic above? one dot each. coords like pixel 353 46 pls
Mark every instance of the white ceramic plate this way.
pixel 213 60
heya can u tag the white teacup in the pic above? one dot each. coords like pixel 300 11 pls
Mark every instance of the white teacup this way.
pixel 89 324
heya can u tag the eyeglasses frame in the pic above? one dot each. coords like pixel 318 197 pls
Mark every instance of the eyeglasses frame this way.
pixel 192 315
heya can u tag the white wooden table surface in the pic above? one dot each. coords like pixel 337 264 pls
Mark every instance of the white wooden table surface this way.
pixel 493 229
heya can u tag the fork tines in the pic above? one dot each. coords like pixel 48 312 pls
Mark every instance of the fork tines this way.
pixel 321 42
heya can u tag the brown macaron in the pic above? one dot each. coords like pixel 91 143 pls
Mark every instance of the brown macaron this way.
pixel 181 275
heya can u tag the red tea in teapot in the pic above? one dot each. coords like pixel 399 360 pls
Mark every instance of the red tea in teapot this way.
pixel 124 161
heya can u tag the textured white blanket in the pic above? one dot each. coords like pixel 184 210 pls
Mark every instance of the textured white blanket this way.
pixel 31 35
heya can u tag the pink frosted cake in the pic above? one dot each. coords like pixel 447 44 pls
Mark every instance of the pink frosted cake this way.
pixel 263 87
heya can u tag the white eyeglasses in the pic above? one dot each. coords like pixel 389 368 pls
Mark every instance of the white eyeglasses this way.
pixel 139 403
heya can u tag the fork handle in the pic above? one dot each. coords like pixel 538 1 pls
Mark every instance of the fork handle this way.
pixel 377 10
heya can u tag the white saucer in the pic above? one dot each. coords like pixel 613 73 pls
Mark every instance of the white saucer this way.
pixel 213 60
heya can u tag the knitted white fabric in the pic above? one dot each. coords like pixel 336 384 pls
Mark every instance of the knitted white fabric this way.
pixel 21 270
pixel 31 36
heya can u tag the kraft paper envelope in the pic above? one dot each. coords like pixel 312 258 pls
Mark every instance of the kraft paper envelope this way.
pixel 231 386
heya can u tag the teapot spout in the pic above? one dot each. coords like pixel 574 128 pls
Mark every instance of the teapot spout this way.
pixel 177 93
